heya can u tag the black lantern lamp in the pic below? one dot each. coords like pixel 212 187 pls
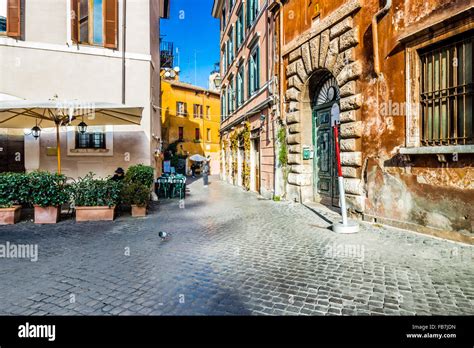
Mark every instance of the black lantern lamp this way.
pixel 36 131
pixel 82 127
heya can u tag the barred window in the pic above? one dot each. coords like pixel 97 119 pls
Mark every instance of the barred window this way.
pixel 87 140
pixel 447 92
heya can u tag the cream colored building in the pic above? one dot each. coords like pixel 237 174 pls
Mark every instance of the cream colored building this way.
pixel 75 50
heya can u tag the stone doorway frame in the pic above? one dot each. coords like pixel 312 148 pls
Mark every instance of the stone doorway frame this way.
pixel 330 46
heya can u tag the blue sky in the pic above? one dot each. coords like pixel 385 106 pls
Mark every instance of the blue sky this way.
pixel 195 33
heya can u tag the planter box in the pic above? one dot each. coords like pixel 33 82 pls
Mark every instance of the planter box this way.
pixel 138 211
pixel 10 216
pixel 46 215
pixel 95 213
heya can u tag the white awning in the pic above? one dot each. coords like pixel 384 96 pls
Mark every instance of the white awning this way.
pixel 45 114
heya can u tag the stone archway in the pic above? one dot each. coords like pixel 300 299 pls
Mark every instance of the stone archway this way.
pixel 330 47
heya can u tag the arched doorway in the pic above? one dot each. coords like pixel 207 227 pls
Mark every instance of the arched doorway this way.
pixel 325 95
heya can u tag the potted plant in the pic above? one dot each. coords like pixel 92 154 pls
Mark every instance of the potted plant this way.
pixel 95 199
pixel 48 191
pixel 14 191
pixel 137 195
pixel 140 173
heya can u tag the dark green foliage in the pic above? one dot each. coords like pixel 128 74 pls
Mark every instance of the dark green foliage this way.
pixel 48 189
pixel 14 189
pixel 135 194
pixel 91 192
pixel 283 151
pixel 140 174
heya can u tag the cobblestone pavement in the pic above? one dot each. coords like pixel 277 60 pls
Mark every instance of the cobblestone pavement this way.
pixel 231 253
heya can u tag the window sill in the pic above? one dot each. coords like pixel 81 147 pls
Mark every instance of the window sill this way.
pixel 89 150
pixel 436 150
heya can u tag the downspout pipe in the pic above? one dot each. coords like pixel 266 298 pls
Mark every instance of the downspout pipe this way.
pixel 280 87
pixel 375 36
pixel 124 42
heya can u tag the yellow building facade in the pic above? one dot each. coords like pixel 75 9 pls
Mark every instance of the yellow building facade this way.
pixel 191 117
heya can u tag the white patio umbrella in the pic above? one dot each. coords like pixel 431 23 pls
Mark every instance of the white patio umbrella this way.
pixel 49 114
pixel 198 158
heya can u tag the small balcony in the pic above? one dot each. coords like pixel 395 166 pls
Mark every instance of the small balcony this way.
pixel 166 54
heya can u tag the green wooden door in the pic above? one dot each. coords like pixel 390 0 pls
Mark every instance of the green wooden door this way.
pixel 325 176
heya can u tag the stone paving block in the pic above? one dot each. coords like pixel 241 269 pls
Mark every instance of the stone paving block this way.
pixel 265 258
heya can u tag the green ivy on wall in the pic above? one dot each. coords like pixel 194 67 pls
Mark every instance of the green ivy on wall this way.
pixel 245 137
pixel 234 145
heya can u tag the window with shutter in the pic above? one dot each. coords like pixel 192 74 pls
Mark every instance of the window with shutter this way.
pixel 223 105
pixel 231 45
pixel 252 11
pixel 257 68
pixel 74 21
pixel 180 108
pixel 254 71
pixel 240 86
pixel 240 28
pixel 94 22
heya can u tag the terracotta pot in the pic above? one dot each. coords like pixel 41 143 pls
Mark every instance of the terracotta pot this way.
pixel 10 216
pixel 95 213
pixel 138 211
pixel 46 215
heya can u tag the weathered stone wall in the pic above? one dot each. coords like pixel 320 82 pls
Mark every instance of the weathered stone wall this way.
pixel 425 192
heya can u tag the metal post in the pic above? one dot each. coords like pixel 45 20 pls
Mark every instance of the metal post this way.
pixel 340 179
pixel 58 148
pixel 345 226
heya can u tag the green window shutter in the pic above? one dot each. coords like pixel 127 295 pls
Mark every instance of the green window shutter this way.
pixel 257 68
pixel 249 12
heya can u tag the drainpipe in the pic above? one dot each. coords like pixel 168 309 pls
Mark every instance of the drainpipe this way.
pixel 280 86
pixel 375 38
pixel 124 42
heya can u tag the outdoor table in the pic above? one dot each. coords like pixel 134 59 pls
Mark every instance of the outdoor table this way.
pixel 167 183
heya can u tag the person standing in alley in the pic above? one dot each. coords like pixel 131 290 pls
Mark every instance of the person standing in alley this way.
pixel 205 174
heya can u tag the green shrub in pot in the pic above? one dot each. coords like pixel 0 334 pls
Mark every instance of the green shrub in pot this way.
pixel 135 194
pixel 140 173
pixel 14 189
pixel 92 192
pixel 48 189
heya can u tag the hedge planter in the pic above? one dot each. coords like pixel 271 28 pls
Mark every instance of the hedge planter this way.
pixel 46 215
pixel 95 213
pixel 10 216
pixel 138 211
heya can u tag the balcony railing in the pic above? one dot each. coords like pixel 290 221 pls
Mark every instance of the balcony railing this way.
pixel 166 54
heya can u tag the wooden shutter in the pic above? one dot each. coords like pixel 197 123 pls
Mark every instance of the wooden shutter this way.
pixel 75 21
pixel 110 23
pixel 13 18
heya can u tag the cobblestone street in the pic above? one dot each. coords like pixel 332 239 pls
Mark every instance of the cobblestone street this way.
pixel 232 253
